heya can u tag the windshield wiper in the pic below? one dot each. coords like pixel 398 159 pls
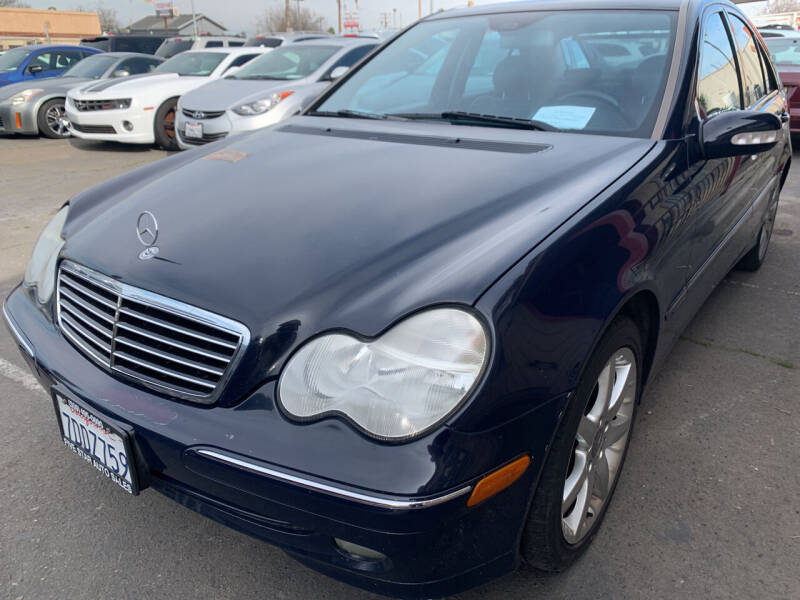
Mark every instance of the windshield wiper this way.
pixel 350 114
pixel 465 118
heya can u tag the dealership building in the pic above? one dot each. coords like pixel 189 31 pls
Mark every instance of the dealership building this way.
pixel 25 26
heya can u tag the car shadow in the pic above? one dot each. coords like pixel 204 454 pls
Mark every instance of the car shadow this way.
pixel 100 146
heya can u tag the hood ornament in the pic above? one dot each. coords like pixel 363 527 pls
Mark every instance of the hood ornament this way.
pixel 147 232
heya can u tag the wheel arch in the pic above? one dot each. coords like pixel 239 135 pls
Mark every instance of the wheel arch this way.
pixel 643 309
pixel 40 102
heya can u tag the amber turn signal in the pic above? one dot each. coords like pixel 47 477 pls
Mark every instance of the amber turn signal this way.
pixel 499 480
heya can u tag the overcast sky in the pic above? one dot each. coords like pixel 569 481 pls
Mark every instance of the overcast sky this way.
pixel 241 15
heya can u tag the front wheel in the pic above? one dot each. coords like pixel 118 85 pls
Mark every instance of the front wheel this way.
pixel 582 469
pixel 164 126
pixel 52 120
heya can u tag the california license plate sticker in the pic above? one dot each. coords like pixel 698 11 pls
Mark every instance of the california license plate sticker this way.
pixel 194 130
pixel 88 436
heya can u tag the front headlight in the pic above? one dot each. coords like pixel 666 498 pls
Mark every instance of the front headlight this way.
pixel 261 106
pixel 41 270
pixel 397 386
pixel 25 95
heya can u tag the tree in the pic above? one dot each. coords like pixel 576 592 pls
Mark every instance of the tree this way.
pixel 301 19
pixel 108 16
pixel 13 4
pixel 781 6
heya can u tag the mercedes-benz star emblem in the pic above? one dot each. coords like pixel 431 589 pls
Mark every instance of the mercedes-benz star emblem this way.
pixel 147 228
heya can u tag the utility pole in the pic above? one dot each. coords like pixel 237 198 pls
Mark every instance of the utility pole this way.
pixel 194 21
pixel 288 15
pixel 339 5
pixel 419 6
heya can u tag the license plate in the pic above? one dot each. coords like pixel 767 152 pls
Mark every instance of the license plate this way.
pixel 98 443
pixel 193 130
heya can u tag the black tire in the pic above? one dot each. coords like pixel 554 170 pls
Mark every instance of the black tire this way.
pixel 544 546
pixel 164 126
pixel 51 119
pixel 753 260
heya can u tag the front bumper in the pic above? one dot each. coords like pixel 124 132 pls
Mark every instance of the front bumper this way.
pixel 202 457
pixel 9 119
pixel 227 124
pixel 108 125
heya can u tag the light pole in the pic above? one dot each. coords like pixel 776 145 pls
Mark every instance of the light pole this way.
pixel 194 21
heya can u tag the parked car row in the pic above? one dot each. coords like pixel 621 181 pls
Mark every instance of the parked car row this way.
pixel 195 97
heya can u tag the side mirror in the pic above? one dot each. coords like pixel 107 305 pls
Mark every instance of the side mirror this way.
pixel 34 69
pixel 337 73
pixel 121 73
pixel 739 133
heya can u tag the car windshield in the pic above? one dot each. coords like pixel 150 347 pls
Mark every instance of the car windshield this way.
pixel 784 51
pixel 196 64
pixel 289 62
pixel 91 67
pixel 11 60
pixel 593 71
pixel 172 47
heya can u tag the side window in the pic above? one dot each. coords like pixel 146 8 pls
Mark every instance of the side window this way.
pixel 490 54
pixel 235 44
pixel 44 60
pixel 352 57
pixel 749 62
pixel 64 59
pixel 214 44
pixel 717 80
pixel 138 66
pixel 240 60
pixel 574 57
pixel 769 70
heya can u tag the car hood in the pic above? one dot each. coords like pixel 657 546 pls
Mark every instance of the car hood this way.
pixel 320 223
pixel 222 94
pixel 57 84
pixel 135 84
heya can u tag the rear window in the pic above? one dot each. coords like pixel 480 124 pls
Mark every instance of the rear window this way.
pixel 784 51
pixel 264 42
pixel 171 47
pixel 103 44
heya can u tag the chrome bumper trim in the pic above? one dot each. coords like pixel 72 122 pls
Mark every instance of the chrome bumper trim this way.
pixel 334 491
pixel 12 327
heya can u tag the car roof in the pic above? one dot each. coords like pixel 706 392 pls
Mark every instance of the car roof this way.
pixel 228 50
pixel 335 41
pixel 130 55
pixel 35 47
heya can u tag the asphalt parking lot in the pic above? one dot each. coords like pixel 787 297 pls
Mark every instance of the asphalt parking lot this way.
pixel 708 505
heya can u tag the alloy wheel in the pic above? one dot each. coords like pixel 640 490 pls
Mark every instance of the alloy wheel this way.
pixel 169 124
pixel 599 446
pixel 56 119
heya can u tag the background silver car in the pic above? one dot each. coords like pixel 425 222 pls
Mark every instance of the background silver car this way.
pixel 266 90
pixel 37 107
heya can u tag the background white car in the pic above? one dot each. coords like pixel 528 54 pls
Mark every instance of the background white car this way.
pixel 267 90
pixel 141 109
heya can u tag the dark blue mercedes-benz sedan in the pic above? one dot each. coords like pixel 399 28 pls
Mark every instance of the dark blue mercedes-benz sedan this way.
pixel 404 334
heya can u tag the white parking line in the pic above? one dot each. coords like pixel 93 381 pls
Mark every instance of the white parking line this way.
pixel 14 373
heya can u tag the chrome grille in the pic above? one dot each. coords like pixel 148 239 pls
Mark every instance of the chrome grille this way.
pixel 165 344
pixel 202 114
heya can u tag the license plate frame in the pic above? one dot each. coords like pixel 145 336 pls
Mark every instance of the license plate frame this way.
pixel 111 427
pixel 194 131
